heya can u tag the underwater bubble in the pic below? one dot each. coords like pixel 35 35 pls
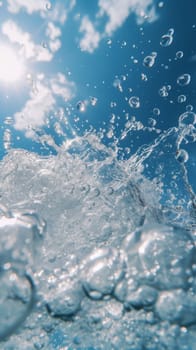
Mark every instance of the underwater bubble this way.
pixel 142 297
pixel 152 122
pixel 109 41
pixel 177 307
pixel 179 54
pixel 181 98
pixel 156 111
pixel 166 254
pixel 166 40
pixel 187 118
pixel 17 294
pixel 101 271
pixel 65 299
pixel 134 102
pixel 182 156
pixel 184 79
pixel 149 61
pixel 81 106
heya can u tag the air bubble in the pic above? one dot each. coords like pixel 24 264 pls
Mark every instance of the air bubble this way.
pixel 134 102
pixel 144 77
pixel 179 54
pixel 156 111
pixel 184 79
pixel 182 156
pixel 109 41
pixel 163 91
pixel 189 108
pixel 93 101
pixel 181 98
pixel 48 6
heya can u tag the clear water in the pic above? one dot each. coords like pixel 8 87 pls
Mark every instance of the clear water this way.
pixel 97 230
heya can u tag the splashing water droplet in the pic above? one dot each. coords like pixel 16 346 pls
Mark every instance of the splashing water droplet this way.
pixel 149 61
pixel 163 92
pixel 48 6
pixel 182 156
pixel 134 102
pixel 181 98
pixel 93 101
pixel 81 106
pixel 166 40
pixel 184 79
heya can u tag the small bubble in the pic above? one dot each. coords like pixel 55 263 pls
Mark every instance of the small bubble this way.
pixel 182 156
pixel 113 104
pixel 152 122
pixel 156 111
pixel 189 108
pixel 109 41
pixel 181 98
pixel 184 79
pixel 134 102
pixel 124 43
pixel 171 31
pixel 179 54
pixel 160 4
pixel 81 106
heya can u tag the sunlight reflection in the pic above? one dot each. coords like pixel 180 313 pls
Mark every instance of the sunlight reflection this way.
pixel 11 66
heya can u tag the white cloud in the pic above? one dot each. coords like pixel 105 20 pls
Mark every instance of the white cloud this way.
pixel 53 32
pixel 42 101
pixel 57 12
pixel 28 48
pixel 91 38
pixel 116 13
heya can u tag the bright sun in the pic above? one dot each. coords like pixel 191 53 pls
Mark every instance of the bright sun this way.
pixel 11 66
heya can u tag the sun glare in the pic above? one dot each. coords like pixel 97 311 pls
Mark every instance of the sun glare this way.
pixel 11 66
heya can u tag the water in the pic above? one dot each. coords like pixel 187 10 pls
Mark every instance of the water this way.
pixel 106 258
pixel 97 229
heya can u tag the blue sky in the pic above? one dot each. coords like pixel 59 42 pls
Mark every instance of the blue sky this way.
pixel 65 52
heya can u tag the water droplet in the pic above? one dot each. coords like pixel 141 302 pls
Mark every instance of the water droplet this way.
pixel 179 54
pixel 182 156
pixel 163 92
pixel 93 101
pixel 113 104
pixel 181 98
pixel 149 60
pixel 134 102
pixel 109 41
pixel 144 77
pixel 81 106
pixel 156 111
pixel 184 79
pixel 166 40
